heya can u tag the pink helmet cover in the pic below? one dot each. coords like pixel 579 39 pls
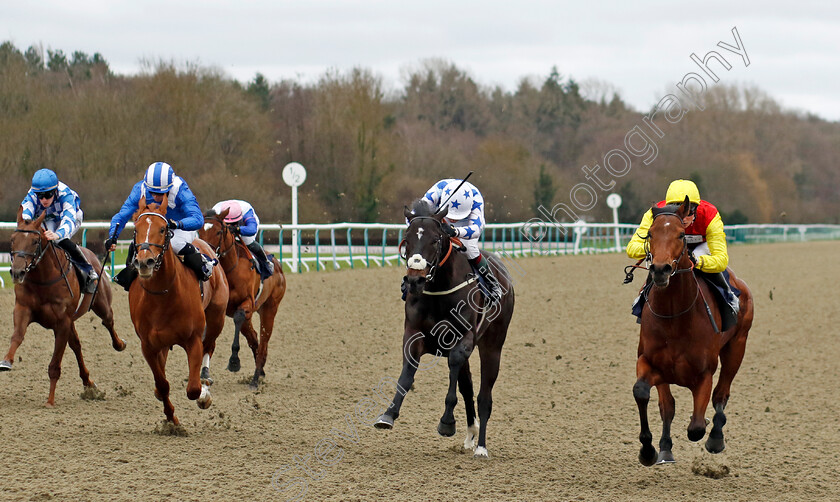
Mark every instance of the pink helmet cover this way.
pixel 234 211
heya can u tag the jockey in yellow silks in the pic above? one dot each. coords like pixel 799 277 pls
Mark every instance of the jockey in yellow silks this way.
pixel 704 234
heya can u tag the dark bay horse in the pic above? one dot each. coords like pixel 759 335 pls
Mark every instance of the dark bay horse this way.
pixel 446 314
pixel 47 292
pixel 679 344
pixel 244 281
pixel 167 307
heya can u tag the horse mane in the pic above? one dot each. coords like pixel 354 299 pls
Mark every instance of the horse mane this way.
pixel 422 207
pixel 210 213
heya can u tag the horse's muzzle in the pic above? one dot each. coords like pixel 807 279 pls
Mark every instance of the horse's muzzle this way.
pixel 415 283
pixel 661 274
pixel 17 275
pixel 144 268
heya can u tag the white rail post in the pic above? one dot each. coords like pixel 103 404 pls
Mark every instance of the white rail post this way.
pixel 294 175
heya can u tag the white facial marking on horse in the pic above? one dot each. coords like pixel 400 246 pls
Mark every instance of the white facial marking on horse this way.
pixel 419 233
pixel 148 230
pixel 208 226
pixel 416 262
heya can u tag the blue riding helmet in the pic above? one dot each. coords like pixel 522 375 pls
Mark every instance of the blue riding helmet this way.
pixel 44 180
pixel 159 177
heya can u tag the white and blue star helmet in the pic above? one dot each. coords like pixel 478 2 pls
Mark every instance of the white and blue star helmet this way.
pixel 460 205
pixel 159 177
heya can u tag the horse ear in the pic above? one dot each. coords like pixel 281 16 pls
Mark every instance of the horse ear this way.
pixel 224 213
pixel 439 215
pixel 165 202
pixel 685 208
pixel 409 214
pixel 142 203
pixel 20 216
pixel 39 220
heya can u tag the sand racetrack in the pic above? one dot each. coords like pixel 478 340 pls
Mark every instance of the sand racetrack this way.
pixel 564 423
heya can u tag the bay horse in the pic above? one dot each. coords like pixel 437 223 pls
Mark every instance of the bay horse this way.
pixel 48 292
pixel 679 344
pixel 244 281
pixel 168 306
pixel 446 314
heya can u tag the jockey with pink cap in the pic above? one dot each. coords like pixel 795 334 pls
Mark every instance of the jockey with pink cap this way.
pixel 243 218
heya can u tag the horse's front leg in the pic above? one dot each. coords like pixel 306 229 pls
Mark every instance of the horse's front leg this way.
pixel 413 348
pixel 701 393
pixel 666 411
pixel 62 335
pixel 465 385
pixel 457 357
pixel 641 392
pixel 22 317
pixel 238 318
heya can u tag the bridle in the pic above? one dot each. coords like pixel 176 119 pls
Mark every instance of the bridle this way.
pixel 440 243
pixel 225 231
pixel 678 259
pixel 36 256
pixel 147 246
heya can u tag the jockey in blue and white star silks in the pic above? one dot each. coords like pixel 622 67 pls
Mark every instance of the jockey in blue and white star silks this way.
pixel 465 220
pixel 182 212
pixel 63 219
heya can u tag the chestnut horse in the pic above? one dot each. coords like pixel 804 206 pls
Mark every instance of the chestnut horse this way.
pixel 679 344
pixel 167 307
pixel 447 315
pixel 244 281
pixel 48 292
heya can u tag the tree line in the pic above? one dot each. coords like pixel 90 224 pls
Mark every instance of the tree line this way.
pixel 369 150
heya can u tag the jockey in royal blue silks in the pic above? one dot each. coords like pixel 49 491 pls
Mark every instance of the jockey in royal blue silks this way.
pixel 242 217
pixel 465 220
pixel 182 212
pixel 63 219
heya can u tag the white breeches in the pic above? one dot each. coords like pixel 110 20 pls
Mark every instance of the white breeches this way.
pixel 181 238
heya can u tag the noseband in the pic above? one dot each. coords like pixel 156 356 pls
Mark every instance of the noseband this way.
pixel 149 245
pixel 437 261
pixel 675 262
pixel 36 256
pixel 225 231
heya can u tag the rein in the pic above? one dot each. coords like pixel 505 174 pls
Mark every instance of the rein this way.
pixel 677 270
pixel 159 257
pixel 222 253
pixel 36 259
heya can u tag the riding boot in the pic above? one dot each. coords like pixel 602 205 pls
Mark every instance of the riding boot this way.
pixel 196 262
pixel 265 264
pixel 127 275
pixel 89 275
pixel 720 280
pixel 483 268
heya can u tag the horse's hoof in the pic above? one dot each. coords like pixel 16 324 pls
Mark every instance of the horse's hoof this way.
pixel 647 455
pixel 715 445
pixel 446 430
pixel 665 457
pixel 204 403
pixel 120 348
pixel 481 452
pixel 384 422
pixel 5 366
pixel 253 386
pixel 49 405
pixel 472 435
pixel 233 365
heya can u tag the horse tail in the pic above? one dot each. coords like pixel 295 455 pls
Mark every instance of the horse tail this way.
pixel 278 280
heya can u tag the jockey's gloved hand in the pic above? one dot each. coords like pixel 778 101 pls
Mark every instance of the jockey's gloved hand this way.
pixel 110 242
pixel 173 224
pixel 450 230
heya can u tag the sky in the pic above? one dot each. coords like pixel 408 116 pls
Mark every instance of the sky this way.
pixel 639 49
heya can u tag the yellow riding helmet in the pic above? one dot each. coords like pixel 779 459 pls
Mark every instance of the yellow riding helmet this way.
pixel 678 189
